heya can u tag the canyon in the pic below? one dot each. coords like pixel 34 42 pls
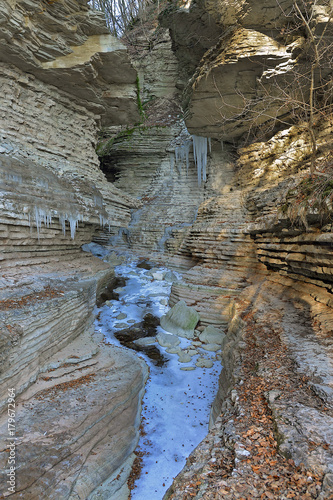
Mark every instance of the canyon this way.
pixel 172 146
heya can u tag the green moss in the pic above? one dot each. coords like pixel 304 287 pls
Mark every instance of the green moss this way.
pixel 104 146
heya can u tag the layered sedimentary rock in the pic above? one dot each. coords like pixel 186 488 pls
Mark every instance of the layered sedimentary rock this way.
pixel 68 46
pixel 255 251
pixel 62 75
pixel 148 160
pixel 256 68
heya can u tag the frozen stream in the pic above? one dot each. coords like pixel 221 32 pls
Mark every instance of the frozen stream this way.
pixel 178 396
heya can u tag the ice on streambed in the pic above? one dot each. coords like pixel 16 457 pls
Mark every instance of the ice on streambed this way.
pixel 178 397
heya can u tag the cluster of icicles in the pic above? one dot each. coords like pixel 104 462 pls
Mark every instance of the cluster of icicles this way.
pixel 200 153
pixel 42 216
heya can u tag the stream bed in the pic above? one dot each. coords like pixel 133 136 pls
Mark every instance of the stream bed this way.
pixel 178 397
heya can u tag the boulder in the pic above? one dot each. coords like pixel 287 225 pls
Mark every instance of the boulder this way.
pixel 181 320
pixel 170 277
pixel 211 335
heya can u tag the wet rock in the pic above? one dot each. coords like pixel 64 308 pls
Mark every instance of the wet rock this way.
pixel 144 264
pixel 150 324
pixel 129 336
pixel 167 340
pixel 211 335
pixel 164 302
pixel 181 320
pixel 187 368
pixel 111 290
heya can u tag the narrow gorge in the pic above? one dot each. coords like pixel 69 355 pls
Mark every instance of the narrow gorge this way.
pixel 166 197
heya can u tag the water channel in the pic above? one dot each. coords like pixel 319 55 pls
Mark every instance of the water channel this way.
pixel 178 397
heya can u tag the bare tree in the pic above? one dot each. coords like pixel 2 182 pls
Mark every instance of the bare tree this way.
pixel 304 94
pixel 121 14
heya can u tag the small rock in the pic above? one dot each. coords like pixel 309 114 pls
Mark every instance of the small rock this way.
pixel 174 350
pixel 184 357
pixel 121 325
pixel 192 352
pixel 211 347
pixel 196 343
pixel 131 321
pixel 187 368
pixel 118 290
pixel 273 395
pixel 164 302
pixel 167 340
pixel 121 316
pixel 204 363
pixel 145 341
pixel 158 276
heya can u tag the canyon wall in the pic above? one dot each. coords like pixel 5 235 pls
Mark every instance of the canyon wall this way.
pixel 255 262
pixel 62 78
pixel 262 248
pixel 258 264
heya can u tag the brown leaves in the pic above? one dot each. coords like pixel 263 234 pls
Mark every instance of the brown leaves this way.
pixel 47 293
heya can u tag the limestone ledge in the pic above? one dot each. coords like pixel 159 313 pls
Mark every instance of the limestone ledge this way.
pixel 77 426
pixel 233 90
pixel 298 419
pixel 77 400
pixel 66 45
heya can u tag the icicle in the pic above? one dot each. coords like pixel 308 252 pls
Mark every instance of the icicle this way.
pixel 182 155
pixel 200 156
pixel 41 216
pixel 188 157
pixel 98 201
pixel 37 218
pixel 172 162
pixel 62 221
pixel 102 220
pixel 73 224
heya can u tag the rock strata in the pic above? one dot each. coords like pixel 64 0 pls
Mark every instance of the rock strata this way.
pixel 61 75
